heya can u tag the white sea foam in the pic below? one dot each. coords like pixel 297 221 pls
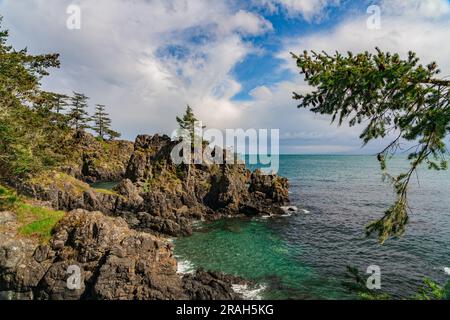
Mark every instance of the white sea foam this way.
pixel 290 209
pixel 447 270
pixel 249 293
pixel 185 267
pixel 306 211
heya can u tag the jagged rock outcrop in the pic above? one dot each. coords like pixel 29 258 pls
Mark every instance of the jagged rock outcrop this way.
pixel 114 261
pixel 159 196
pixel 196 191
pixel 96 160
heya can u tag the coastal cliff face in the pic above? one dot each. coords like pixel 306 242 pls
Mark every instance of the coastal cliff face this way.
pixel 118 237
pixel 93 160
pixel 158 196
pixel 115 262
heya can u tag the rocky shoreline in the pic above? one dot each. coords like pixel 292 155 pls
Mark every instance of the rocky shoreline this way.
pixel 118 238
pixel 116 263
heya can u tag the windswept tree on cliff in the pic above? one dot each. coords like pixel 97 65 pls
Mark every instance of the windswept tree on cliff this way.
pixel 188 123
pixel 102 123
pixel 78 116
pixel 397 98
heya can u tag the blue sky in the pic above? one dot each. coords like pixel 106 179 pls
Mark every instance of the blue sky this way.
pixel 147 59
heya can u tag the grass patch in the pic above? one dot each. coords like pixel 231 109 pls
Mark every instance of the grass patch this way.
pixel 33 220
pixel 37 221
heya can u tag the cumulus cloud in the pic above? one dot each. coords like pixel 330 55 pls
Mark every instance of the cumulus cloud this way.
pixel 147 59
pixel 417 8
pixel 422 29
pixel 397 34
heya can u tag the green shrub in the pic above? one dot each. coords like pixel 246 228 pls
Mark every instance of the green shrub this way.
pixel 8 198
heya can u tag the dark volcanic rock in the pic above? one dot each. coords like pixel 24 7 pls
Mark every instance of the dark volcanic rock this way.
pixel 114 261
pixel 200 190
pixel 159 196
pixel 204 285
pixel 95 160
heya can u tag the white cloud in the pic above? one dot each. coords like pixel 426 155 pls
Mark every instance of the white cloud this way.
pixel 248 23
pixel 147 59
pixel 308 9
pixel 414 30
pixel 417 8
pixel 261 93
pixel 427 37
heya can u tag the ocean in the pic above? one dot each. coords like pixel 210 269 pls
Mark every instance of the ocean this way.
pixel 305 255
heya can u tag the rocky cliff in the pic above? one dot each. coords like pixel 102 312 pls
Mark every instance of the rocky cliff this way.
pixel 114 261
pixel 117 238
pixel 156 195
pixel 94 160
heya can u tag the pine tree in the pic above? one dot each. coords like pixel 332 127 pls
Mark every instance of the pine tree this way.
pixel 112 134
pixel 60 102
pixel 188 121
pixel 102 123
pixel 78 116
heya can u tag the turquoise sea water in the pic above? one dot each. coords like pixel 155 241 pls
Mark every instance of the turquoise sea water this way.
pixel 304 256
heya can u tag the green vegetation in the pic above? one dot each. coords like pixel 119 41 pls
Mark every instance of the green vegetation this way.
pixel 102 124
pixel 188 124
pixel 62 181
pixel 433 291
pixel 395 97
pixel 35 135
pixel 8 198
pixel 33 220
pixel 78 116
pixel 37 221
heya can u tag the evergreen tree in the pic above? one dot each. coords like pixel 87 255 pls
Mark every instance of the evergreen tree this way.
pixel 187 122
pixel 29 140
pixel 113 134
pixel 391 95
pixel 61 102
pixel 50 102
pixel 78 116
pixel 102 123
